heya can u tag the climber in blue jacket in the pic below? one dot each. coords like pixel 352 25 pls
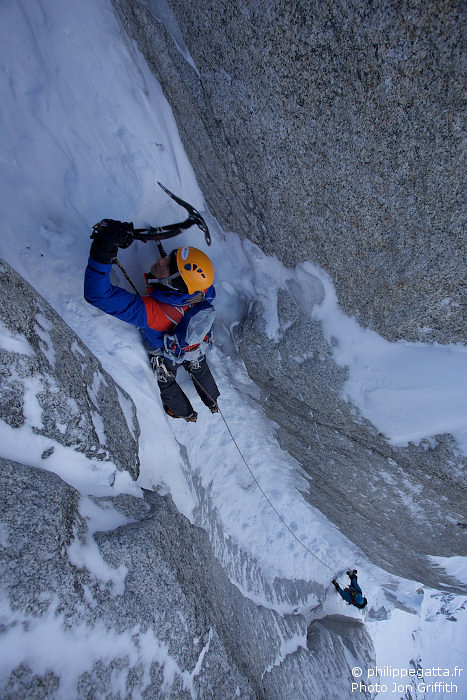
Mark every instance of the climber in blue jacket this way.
pixel 353 593
pixel 175 317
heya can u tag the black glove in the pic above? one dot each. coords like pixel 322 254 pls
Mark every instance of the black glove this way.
pixel 109 236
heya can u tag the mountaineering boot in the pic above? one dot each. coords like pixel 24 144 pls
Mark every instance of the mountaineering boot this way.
pixel 351 573
pixel 335 584
pixel 191 418
pixel 214 408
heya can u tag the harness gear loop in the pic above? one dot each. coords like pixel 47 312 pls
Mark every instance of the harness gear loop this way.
pixel 160 369
pixel 195 364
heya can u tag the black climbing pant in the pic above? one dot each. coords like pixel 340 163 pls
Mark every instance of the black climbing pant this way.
pixel 174 398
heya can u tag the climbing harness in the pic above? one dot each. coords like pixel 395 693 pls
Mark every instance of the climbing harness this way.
pixel 160 369
pixel 194 364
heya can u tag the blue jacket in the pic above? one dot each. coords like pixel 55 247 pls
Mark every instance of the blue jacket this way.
pixel 352 594
pixel 155 315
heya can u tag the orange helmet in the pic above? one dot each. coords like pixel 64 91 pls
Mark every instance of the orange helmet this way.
pixel 195 268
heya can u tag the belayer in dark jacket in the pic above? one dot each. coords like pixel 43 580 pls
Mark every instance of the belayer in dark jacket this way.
pixel 175 317
pixel 353 593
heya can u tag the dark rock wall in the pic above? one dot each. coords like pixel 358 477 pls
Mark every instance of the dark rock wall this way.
pixel 398 504
pixel 180 614
pixel 154 580
pixel 330 131
pixel 77 401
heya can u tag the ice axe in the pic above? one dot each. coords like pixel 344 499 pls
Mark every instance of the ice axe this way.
pixel 160 233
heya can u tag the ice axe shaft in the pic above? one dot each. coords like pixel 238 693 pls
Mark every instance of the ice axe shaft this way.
pixel 160 233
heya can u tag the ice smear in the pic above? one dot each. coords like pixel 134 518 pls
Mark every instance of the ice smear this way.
pixel 42 328
pixel 72 651
pixel 14 342
pixel 100 518
pixel 453 566
pixel 127 412
pixel 409 391
pixel 162 11
pixel 99 478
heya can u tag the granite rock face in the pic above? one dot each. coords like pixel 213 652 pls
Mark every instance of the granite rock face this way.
pixel 117 595
pixel 399 504
pixel 178 628
pixel 52 382
pixel 331 132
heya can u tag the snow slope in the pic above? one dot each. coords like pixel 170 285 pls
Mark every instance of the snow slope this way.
pixel 86 133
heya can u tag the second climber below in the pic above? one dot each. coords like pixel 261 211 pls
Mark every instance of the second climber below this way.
pixel 175 317
pixel 352 594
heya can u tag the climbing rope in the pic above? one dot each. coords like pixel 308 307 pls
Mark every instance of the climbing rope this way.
pixel 302 544
pixel 118 263
pixel 194 379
